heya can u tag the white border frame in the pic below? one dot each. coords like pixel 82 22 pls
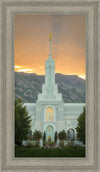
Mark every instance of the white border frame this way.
pixel 90 9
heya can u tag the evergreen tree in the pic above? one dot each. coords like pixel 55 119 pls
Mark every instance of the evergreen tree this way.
pixel 56 137
pixel 22 122
pixel 81 126
pixel 44 137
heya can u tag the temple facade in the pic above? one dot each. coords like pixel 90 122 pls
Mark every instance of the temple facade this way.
pixel 50 114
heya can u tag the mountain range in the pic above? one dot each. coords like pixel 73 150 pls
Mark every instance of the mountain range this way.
pixel 28 85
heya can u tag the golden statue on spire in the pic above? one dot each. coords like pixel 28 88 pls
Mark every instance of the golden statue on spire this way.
pixel 50 36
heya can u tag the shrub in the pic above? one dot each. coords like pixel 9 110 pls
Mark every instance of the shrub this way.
pixel 36 145
pixel 61 144
pixel 29 145
pixel 51 143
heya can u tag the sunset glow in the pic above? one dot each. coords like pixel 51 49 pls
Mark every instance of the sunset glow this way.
pixel 67 48
pixel 42 71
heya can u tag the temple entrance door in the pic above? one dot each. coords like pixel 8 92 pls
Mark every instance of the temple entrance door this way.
pixel 49 133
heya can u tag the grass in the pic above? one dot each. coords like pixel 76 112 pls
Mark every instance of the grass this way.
pixel 50 152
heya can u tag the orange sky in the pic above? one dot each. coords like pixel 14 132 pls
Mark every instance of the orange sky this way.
pixel 32 43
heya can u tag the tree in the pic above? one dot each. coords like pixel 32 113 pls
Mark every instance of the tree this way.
pixel 37 135
pixel 22 122
pixel 56 137
pixel 62 135
pixel 44 137
pixel 81 126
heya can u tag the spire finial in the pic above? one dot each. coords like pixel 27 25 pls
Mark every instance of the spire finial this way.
pixel 50 36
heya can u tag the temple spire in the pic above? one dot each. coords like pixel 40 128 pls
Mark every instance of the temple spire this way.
pixel 50 36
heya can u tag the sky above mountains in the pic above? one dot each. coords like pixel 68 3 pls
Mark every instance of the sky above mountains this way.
pixel 67 46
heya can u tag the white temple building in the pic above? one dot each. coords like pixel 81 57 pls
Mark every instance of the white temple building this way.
pixel 50 114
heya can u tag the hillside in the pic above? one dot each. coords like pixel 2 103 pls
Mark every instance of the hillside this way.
pixel 27 86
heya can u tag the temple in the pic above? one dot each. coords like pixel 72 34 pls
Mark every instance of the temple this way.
pixel 50 114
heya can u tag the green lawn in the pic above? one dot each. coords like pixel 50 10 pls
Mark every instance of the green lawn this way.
pixel 50 152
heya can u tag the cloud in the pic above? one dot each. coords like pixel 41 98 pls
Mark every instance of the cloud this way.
pixel 24 69
pixel 17 67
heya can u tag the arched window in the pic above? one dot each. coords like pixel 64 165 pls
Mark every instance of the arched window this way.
pixel 49 114
pixel 71 134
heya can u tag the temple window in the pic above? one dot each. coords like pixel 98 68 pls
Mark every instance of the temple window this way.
pixel 49 114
